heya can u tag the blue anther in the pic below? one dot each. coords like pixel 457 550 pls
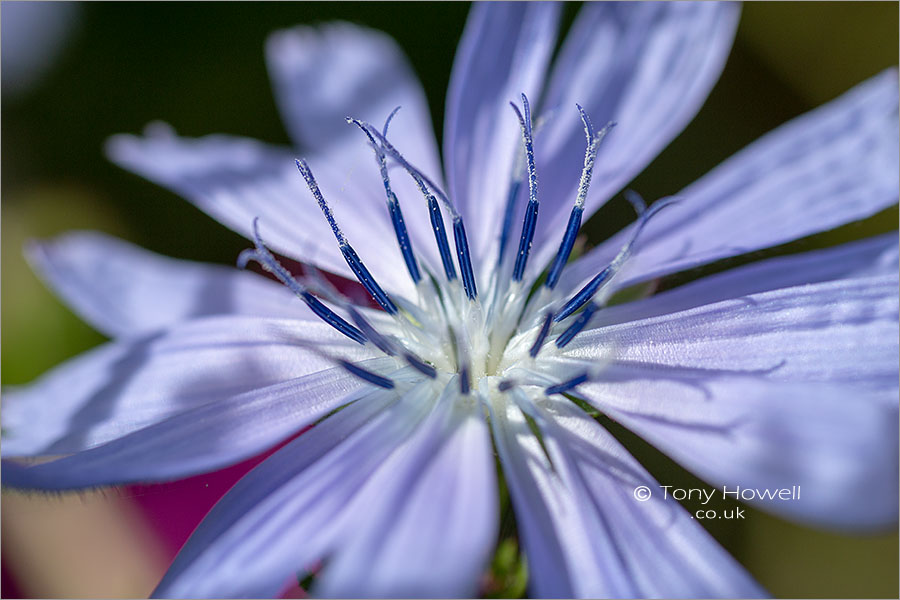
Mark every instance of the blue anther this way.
pixel 359 269
pixel 380 342
pixel 420 365
pixel 365 374
pixel 565 247
pixel 568 241
pixel 506 385
pixel 403 239
pixel 393 204
pixel 423 183
pixel 365 278
pixel 531 211
pixel 528 226
pixel 465 260
pixel 508 214
pixel 542 335
pixel 565 386
pixel 268 261
pixel 585 294
pixel 422 180
pixel 575 328
pixel 440 236
pixel 465 384
pixel 588 291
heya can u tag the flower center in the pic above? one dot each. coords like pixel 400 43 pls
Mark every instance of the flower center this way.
pixel 495 336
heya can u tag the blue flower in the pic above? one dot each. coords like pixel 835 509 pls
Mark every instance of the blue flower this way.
pixel 774 375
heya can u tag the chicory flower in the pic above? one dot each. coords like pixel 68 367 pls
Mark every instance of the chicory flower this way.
pixel 487 335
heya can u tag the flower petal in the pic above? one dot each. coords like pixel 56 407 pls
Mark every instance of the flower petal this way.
pixel 124 290
pixel 297 505
pixel 842 331
pixel 646 66
pixel 873 257
pixel 791 387
pixel 432 522
pixel 584 532
pixel 123 386
pixel 503 52
pixel 834 165
pixel 210 436
pixel 324 74
pixel 235 180
pixel 836 444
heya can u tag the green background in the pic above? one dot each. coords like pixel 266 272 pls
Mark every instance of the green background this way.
pixel 200 67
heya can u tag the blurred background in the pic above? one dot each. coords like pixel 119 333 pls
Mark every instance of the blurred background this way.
pixel 74 74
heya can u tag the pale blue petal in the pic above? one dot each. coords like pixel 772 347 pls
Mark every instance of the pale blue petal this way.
pixel 873 257
pixel 124 290
pixel 585 534
pixel 836 444
pixel 791 387
pixel 834 165
pixel 648 67
pixel 324 74
pixel 432 518
pixel 297 506
pixel 235 180
pixel 213 435
pixel 842 331
pixel 503 53
pixel 123 386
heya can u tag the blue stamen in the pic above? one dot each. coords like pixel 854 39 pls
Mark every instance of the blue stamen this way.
pixel 359 269
pixel 459 230
pixel 440 236
pixel 465 260
pixel 575 328
pixel 506 385
pixel 464 383
pixel 422 180
pixel 565 386
pixel 434 211
pixel 568 241
pixel 393 204
pixel 588 291
pixel 508 214
pixel 265 258
pixel 420 365
pixel 542 335
pixel 565 247
pixel 531 211
pixel 380 342
pixel 403 238
pixel 388 347
pixel 387 121
pixel 365 374
pixel 585 294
